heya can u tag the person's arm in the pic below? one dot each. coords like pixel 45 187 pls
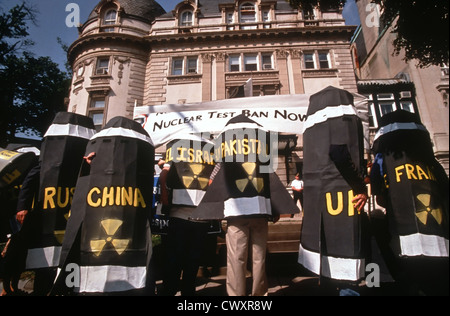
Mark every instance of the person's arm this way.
pixel 27 193
pixel 340 155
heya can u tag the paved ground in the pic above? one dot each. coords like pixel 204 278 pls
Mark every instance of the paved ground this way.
pixel 286 278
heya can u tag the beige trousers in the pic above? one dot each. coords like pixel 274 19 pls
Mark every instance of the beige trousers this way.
pixel 244 234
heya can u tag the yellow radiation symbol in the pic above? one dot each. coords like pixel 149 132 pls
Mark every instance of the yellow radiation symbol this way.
pixel 196 170
pixel 258 183
pixel 59 234
pixel 422 215
pixel 110 226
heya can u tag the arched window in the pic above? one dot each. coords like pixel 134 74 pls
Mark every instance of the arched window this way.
pixel 248 12
pixel 110 17
pixel 186 18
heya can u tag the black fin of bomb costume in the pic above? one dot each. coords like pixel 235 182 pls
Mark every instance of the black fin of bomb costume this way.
pixel 108 234
pixel 331 238
pixel 60 159
pixel 418 193
pixel 245 183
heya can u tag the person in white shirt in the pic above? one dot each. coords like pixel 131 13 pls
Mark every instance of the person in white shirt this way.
pixel 297 189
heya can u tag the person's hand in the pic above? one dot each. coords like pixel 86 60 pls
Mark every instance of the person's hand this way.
pixel 20 216
pixel 359 201
pixel 89 157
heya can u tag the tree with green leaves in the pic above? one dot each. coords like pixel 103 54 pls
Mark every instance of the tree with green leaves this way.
pixel 421 27
pixel 32 89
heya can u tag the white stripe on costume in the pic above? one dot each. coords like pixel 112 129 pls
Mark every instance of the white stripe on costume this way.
pixel 257 205
pixel 351 269
pixel 397 127
pixel 187 197
pixel 69 130
pixel 424 245
pixel 328 113
pixel 43 257
pixel 105 279
pixel 124 132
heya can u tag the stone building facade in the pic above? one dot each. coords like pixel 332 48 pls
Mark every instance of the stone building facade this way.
pixel 390 83
pixel 132 53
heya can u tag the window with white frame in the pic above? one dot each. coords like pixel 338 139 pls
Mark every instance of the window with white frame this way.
pixel 230 20
pixel 235 62
pixel 102 66
pixel 309 60
pixel 266 18
pixel 324 60
pixel 317 60
pixel 96 110
pixel 110 18
pixel 184 65
pixel 247 12
pixel 186 18
pixel 267 63
pixel 250 62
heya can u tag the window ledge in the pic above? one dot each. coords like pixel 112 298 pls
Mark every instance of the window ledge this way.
pixel 314 73
pixel 182 79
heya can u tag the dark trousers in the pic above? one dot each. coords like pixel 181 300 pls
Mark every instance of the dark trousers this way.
pixel 184 252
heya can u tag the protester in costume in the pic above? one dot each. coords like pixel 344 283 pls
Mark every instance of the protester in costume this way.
pixel 108 233
pixel 332 238
pixel 247 193
pixel 192 162
pixel 52 182
pixel 414 188
pixel 15 162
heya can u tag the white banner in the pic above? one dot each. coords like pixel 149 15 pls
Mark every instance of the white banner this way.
pixel 280 113
pixel 276 113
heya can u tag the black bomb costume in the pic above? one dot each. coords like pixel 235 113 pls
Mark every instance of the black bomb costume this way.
pixel 192 162
pixel 60 159
pixel 245 183
pixel 14 166
pixel 331 238
pixel 108 234
pixel 417 187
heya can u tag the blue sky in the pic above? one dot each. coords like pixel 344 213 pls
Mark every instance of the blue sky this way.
pixel 51 23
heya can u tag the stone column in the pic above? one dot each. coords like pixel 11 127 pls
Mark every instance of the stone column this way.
pixel 206 77
pixel 283 70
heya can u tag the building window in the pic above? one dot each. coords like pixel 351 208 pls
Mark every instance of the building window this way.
pixel 267 62
pixel 324 62
pixel 235 62
pixel 251 62
pixel 247 13
pixel 317 60
pixel 192 65
pixel 309 61
pixel 184 65
pixel 109 19
pixel 177 66
pixel 186 18
pixel 383 103
pixel 266 18
pixel 230 20
pixel 102 67
pixel 386 102
pixel 96 111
